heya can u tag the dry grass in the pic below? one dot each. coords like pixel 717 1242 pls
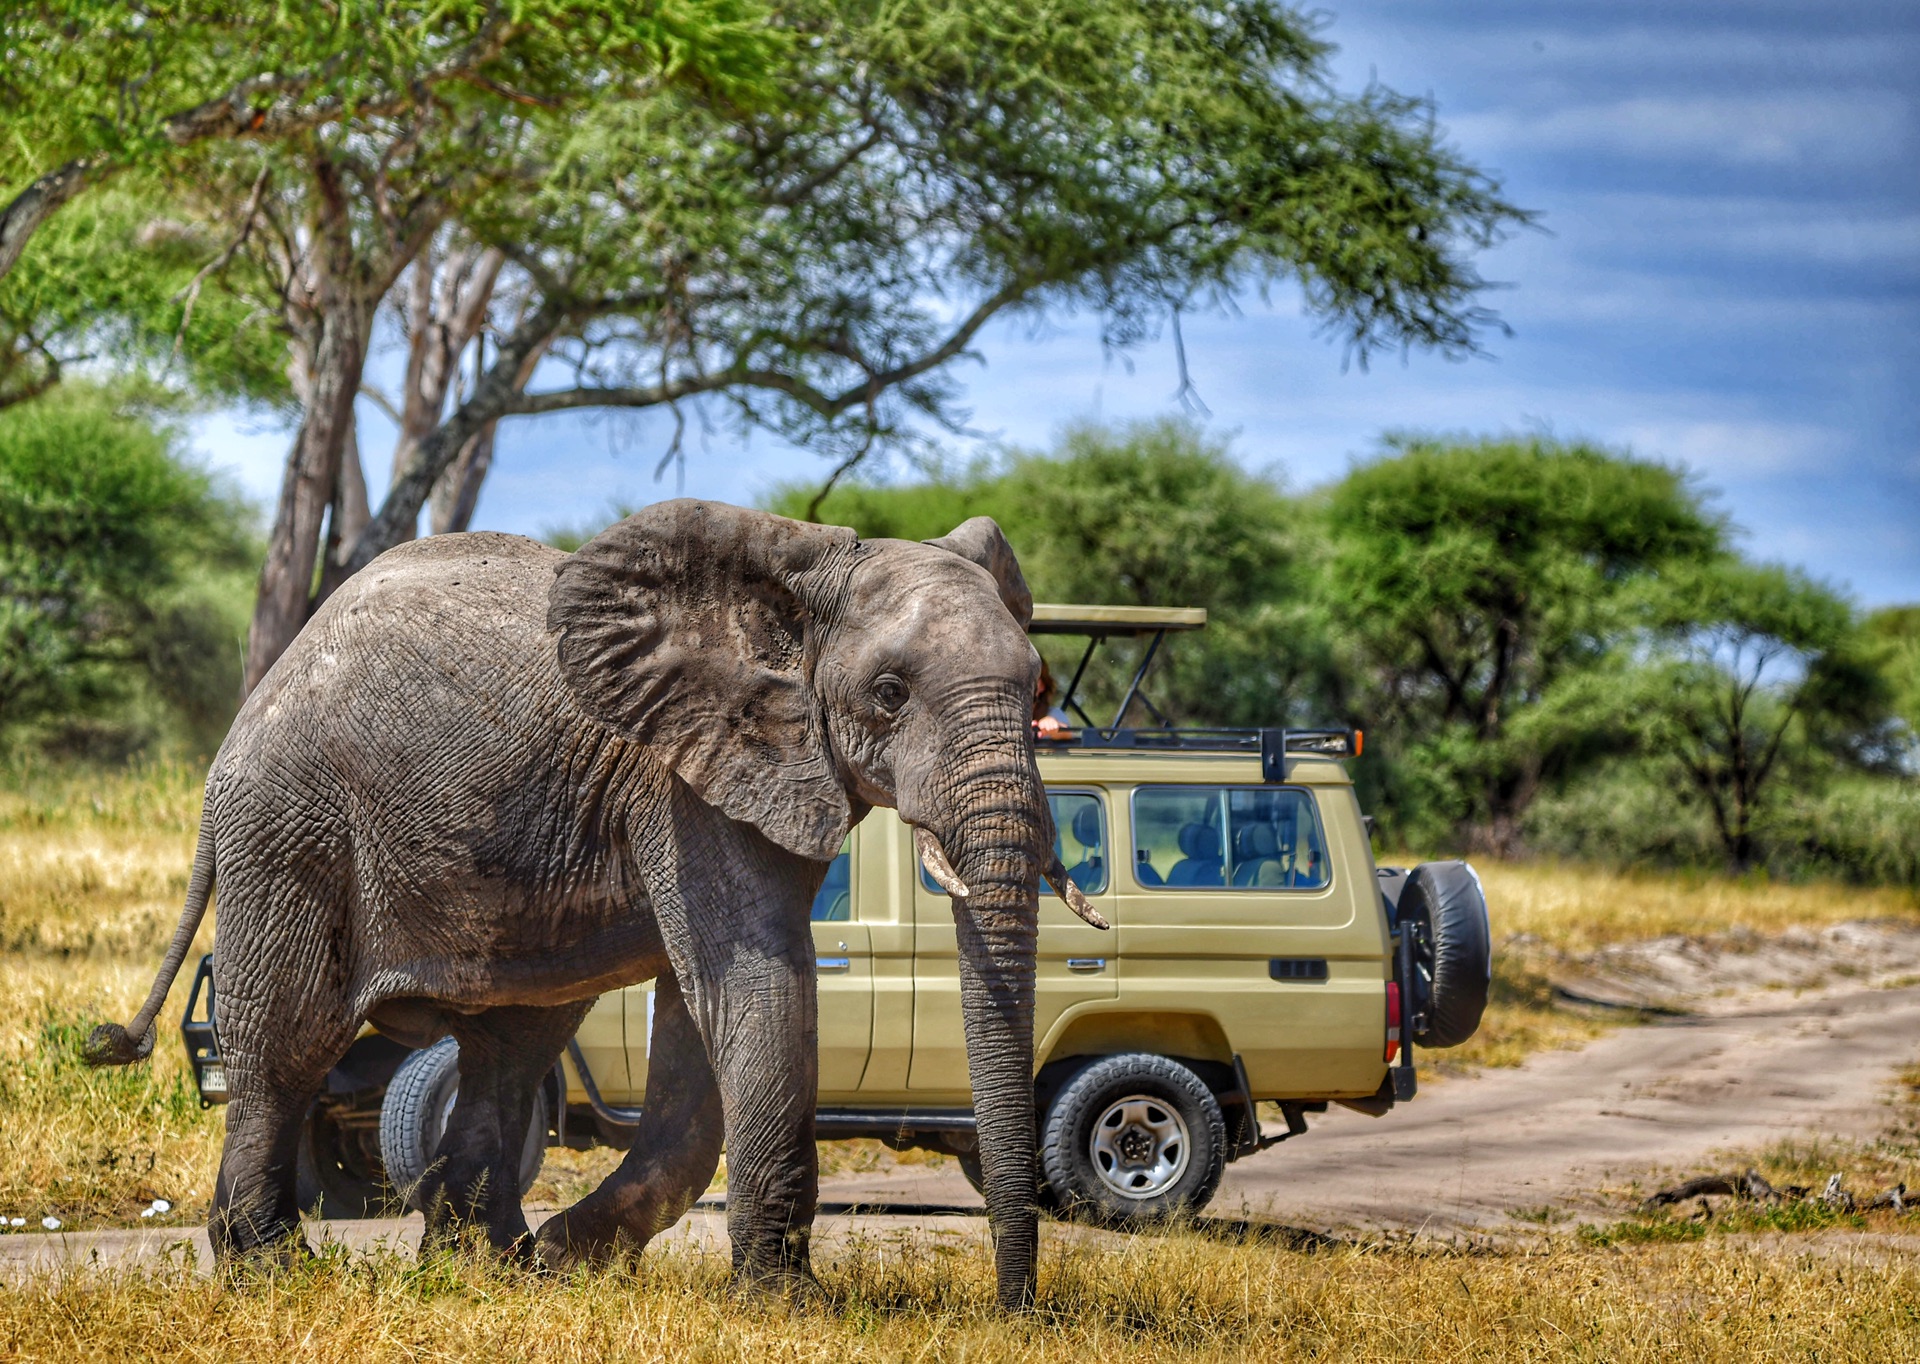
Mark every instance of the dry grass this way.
pixel 1522 1018
pixel 1189 1295
pixel 1579 909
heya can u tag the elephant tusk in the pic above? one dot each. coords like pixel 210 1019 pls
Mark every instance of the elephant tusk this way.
pixel 934 858
pixel 1076 899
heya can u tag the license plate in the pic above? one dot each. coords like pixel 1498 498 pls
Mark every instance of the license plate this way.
pixel 213 1082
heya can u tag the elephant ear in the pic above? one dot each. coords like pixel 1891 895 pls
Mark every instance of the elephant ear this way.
pixel 688 627
pixel 982 541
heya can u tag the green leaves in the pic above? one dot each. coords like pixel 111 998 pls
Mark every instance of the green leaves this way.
pixel 100 523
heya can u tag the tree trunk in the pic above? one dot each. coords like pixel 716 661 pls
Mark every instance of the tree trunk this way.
pixel 447 304
pixel 458 491
pixel 312 475
pixel 505 379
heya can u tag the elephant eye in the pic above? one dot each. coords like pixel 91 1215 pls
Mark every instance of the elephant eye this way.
pixel 890 692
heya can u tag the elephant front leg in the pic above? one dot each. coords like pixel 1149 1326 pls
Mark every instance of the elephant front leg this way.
pixel 673 1157
pixel 504 1055
pixel 761 1032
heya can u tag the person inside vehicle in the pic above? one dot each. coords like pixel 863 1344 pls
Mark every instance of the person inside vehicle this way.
pixel 1049 721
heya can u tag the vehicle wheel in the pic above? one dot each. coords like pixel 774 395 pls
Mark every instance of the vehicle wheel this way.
pixel 337 1170
pixel 976 1176
pixel 1444 909
pixel 414 1116
pixel 1134 1138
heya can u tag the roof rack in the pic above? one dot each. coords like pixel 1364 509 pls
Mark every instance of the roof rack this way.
pixel 1273 745
pixel 1101 623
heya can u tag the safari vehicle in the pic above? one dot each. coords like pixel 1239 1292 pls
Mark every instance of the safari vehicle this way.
pixel 1256 955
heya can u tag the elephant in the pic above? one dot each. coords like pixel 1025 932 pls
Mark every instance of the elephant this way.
pixel 490 781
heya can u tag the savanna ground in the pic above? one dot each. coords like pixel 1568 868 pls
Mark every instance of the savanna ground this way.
pixel 91 877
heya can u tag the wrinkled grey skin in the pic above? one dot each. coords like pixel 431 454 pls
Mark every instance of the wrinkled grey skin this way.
pixel 491 781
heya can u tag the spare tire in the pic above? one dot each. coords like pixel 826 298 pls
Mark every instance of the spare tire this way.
pixel 1444 910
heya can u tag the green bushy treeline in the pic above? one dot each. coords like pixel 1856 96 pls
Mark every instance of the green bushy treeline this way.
pixel 126 578
pixel 1554 647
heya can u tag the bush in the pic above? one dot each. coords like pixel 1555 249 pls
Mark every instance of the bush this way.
pixel 1860 829
pixel 124 581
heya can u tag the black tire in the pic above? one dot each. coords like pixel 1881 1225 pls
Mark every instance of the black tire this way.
pixel 337 1171
pixel 976 1176
pixel 414 1115
pixel 1444 909
pixel 1133 1139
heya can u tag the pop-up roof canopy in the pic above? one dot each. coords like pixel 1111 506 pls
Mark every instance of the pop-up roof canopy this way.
pixel 1101 623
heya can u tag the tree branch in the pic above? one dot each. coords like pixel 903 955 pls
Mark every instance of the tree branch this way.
pixel 235 115
pixel 191 294
pixel 39 201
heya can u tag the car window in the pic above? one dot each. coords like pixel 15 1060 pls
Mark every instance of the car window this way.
pixel 834 903
pixel 1227 838
pixel 1080 837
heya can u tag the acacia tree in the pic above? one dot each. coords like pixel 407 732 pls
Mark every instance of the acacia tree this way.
pixel 1753 669
pixel 95 88
pixel 1472 579
pixel 98 91
pixel 816 265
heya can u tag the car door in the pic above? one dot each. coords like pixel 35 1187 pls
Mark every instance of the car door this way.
pixel 1075 961
pixel 843 954
pixel 1235 904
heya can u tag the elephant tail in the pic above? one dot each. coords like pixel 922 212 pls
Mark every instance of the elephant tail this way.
pixel 112 1045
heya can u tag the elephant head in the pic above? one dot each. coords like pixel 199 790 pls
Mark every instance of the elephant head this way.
pixel 794 676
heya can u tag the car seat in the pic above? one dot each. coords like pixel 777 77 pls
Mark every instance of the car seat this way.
pixel 1143 869
pixel 1201 864
pixel 1257 856
pixel 1090 873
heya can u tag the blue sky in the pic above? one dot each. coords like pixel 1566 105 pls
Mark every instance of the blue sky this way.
pixel 1729 279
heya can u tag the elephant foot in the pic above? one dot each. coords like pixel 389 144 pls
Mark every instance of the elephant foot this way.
pixel 796 1289
pixel 566 1243
pixel 261 1258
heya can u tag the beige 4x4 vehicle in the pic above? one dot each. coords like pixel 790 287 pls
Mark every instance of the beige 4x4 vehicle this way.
pixel 1257 954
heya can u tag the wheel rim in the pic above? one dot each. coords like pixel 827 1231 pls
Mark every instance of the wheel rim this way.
pixel 1140 1147
pixel 1420 930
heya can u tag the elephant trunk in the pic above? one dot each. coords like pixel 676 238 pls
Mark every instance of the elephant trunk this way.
pixel 999 847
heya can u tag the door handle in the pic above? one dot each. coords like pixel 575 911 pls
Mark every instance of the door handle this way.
pixel 835 963
pixel 1086 965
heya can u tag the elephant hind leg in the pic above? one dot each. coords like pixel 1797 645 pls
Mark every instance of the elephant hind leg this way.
pixel 475 1181
pixel 275 1071
pixel 673 1157
pixel 255 1214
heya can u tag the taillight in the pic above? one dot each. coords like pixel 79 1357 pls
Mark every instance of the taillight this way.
pixel 1393 1020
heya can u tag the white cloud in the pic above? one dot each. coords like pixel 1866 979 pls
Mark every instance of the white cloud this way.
pixel 1749 449
pixel 1821 129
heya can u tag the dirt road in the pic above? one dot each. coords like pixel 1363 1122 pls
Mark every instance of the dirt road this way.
pixel 1565 1126
pixel 1572 1130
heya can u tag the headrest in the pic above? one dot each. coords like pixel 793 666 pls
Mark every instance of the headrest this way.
pixel 1086 825
pixel 1257 840
pixel 1199 841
